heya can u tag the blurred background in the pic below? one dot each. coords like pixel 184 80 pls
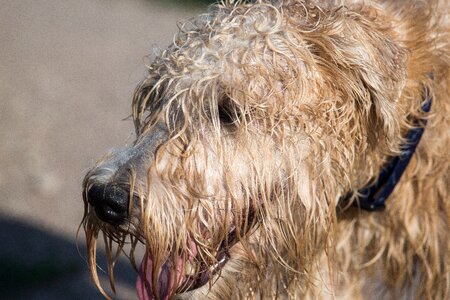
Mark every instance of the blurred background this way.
pixel 67 73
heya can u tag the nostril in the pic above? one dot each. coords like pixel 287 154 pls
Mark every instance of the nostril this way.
pixel 95 194
pixel 110 202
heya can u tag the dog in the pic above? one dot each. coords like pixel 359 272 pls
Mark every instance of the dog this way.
pixel 291 149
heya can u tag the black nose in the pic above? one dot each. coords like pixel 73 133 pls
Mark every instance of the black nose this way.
pixel 110 203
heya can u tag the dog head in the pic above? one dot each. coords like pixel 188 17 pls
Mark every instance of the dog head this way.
pixel 248 130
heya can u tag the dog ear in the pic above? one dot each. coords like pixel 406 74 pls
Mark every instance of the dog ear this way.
pixel 358 54
pixel 378 66
pixel 383 77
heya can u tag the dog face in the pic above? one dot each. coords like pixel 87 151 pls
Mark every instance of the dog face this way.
pixel 244 126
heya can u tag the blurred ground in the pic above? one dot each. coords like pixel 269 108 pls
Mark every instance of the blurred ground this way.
pixel 67 72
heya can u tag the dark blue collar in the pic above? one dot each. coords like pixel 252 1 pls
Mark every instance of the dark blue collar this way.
pixel 373 197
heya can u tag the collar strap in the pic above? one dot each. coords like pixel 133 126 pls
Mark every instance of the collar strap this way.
pixel 373 197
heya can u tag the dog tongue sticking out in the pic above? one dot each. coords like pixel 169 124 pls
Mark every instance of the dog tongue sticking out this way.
pixel 165 283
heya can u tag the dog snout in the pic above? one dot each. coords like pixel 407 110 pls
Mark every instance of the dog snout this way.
pixel 110 203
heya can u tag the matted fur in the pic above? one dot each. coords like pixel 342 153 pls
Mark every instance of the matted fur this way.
pixel 275 110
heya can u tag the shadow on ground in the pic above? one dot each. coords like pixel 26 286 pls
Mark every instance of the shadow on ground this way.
pixel 35 258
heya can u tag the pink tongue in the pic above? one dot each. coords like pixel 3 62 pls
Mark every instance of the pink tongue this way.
pixel 165 284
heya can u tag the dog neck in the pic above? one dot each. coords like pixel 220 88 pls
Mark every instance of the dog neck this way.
pixel 373 197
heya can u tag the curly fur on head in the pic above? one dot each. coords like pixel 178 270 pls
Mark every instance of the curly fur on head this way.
pixel 250 128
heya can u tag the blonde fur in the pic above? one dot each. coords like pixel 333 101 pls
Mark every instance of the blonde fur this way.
pixel 278 109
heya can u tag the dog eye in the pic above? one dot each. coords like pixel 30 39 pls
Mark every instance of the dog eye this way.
pixel 228 114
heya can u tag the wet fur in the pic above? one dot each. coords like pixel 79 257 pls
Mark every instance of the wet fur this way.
pixel 283 107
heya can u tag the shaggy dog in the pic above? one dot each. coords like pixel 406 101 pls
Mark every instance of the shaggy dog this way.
pixel 268 137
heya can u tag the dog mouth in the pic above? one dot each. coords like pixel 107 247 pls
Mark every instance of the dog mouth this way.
pixel 176 278
pixel 172 280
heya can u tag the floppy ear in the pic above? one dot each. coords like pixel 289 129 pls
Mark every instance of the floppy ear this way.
pixel 362 61
pixel 378 65
pixel 384 75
